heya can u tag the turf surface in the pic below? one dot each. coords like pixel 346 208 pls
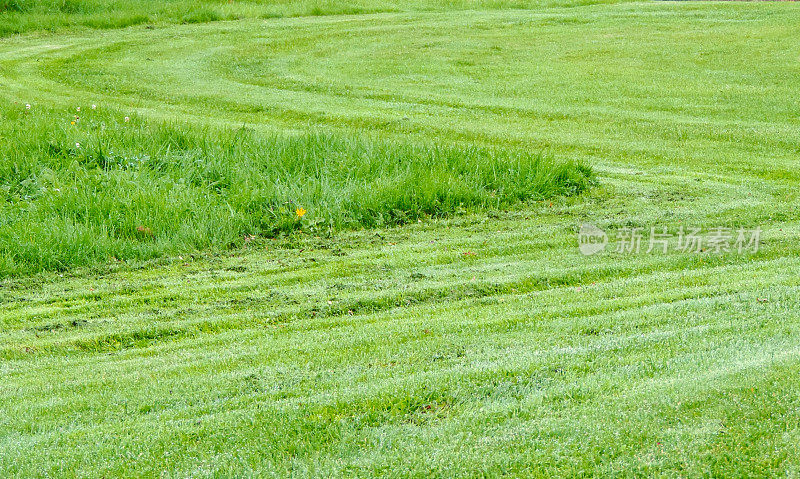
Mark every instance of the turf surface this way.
pixel 483 343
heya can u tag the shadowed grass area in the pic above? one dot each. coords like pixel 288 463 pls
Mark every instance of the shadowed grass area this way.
pixel 99 186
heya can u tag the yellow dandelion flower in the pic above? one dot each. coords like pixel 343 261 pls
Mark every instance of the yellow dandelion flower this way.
pixel 300 212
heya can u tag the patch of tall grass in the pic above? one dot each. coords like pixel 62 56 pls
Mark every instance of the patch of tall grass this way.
pixel 103 187
pixel 20 16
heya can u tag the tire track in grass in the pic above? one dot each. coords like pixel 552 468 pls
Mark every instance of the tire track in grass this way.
pixel 81 335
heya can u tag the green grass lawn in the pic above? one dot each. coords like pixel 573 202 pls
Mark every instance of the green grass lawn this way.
pixel 22 16
pixel 388 332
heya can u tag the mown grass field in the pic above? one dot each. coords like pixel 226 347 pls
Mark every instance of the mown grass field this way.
pixel 165 312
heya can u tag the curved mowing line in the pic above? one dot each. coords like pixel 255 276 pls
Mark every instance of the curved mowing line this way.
pixel 274 95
